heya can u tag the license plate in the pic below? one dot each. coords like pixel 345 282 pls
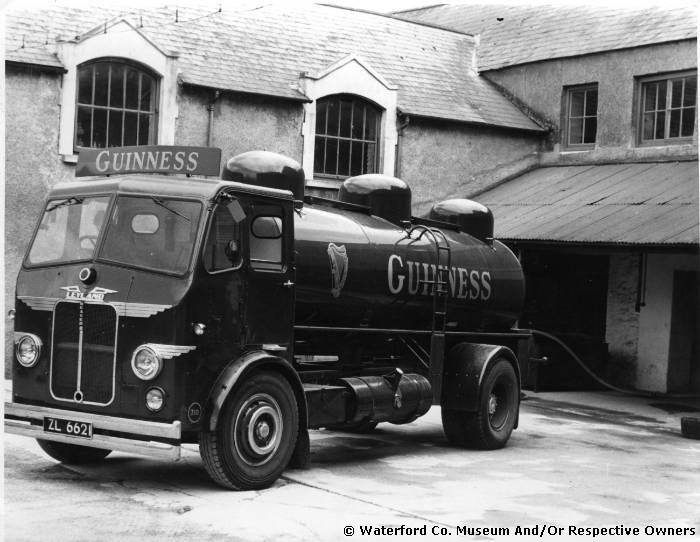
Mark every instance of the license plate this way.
pixel 68 427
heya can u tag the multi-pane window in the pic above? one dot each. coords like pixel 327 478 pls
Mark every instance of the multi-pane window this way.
pixel 347 137
pixel 582 116
pixel 668 108
pixel 116 105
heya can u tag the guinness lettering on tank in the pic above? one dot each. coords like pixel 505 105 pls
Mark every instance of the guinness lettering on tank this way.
pixel 151 159
pixel 414 278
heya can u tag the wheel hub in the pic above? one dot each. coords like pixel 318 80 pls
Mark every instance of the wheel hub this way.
pixel 493 404
pixel 262 430
pixel 258 429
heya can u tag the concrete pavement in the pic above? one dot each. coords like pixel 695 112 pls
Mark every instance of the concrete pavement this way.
pixel 578 459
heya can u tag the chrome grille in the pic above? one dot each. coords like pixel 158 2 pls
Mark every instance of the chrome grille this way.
pixel 83 352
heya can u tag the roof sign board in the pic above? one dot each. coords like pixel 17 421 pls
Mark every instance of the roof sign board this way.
pixel 149 159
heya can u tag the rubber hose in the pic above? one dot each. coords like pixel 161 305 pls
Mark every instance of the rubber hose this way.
pixel 579 361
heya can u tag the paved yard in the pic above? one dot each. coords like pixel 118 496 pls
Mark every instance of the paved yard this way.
pixel 587 460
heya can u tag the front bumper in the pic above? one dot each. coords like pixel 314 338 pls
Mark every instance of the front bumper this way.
pixel 154 439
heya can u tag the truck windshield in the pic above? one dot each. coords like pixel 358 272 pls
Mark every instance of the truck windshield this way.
pixel 68 231
pixel 151 232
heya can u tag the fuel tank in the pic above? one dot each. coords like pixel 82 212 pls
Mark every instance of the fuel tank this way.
pixel 363 261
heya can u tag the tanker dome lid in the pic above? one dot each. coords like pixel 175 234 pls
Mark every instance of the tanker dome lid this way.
pixel 472 217
pixel 387 197
pixel 269 169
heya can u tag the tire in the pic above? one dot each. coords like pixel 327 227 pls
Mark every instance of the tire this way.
pixel 256 434
pixel 72 454
pixel 488 428
pixel 690 427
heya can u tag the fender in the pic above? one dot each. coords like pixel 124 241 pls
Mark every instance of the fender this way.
pixel 236 370
pixel 465 367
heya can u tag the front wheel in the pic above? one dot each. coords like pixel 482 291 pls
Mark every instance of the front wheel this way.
pixel 256 434
pixel 488 428
pixel 72 454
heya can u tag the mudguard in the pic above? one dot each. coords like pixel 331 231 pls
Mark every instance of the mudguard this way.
pixel 465 367
pixel 237 370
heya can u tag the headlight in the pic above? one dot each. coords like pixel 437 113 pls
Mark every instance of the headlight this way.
pixel 145 363
pixel 155 397
pixel 27 349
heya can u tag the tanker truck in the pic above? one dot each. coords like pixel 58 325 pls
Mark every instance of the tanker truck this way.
pixel 157 306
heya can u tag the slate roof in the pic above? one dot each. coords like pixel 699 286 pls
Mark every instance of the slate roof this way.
pixel 633 204
pixel 263 48
pixel 517 34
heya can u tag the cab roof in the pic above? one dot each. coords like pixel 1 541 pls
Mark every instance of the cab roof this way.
pixel 162 186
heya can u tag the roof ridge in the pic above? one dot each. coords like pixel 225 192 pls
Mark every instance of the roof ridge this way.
pixel 422 8
pixel 395 18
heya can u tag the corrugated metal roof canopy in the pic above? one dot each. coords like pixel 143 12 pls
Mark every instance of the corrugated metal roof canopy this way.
pixel 638 204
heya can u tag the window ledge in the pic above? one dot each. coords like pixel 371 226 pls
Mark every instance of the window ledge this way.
pixel 576 151
pixel 323 183
pixel 70 158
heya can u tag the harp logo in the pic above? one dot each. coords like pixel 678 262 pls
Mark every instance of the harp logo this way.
pixel 339 267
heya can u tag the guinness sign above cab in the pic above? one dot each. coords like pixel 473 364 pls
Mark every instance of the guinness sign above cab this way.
pixel 149 159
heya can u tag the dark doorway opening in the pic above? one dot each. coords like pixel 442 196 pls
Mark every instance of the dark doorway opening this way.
pixel 684 344
pixel 567 297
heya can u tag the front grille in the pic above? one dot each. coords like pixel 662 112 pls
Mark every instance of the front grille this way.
pixel 83 353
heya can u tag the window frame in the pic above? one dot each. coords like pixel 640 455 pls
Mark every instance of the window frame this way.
pixel 26 264
pixel 668 77
pixel 263 265
pixel 376 141
pixel 239 237
pixel 195 244
pixel 111 62
pixel 567 117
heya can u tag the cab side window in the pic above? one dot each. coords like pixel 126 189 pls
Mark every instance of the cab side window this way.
pixel 266 243
pixel 223 247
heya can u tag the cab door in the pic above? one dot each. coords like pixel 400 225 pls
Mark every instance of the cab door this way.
pixel 269 307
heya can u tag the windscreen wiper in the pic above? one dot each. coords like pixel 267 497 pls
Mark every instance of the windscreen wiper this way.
pixel 164 206
pixel 69 201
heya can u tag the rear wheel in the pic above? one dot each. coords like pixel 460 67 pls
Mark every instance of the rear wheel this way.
pixel 490 426
pixel 72 454
pixel 255 436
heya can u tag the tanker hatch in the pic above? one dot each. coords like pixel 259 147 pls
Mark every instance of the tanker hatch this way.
pixel 387 197
pixel 470 216
pixel 269 169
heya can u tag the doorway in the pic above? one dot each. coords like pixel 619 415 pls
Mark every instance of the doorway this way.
pixel 567 297
pixel 684 343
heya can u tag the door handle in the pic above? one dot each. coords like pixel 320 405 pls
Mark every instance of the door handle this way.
pixel 288 284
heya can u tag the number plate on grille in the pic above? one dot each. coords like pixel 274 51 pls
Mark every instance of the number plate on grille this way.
pixel 68 427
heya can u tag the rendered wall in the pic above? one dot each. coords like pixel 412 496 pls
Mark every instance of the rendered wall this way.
pixel 540 86
pixel 442 160
pixel 655 319
pixel 241 123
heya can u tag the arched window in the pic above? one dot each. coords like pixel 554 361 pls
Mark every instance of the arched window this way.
pixel 116 105
pixel 347 137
